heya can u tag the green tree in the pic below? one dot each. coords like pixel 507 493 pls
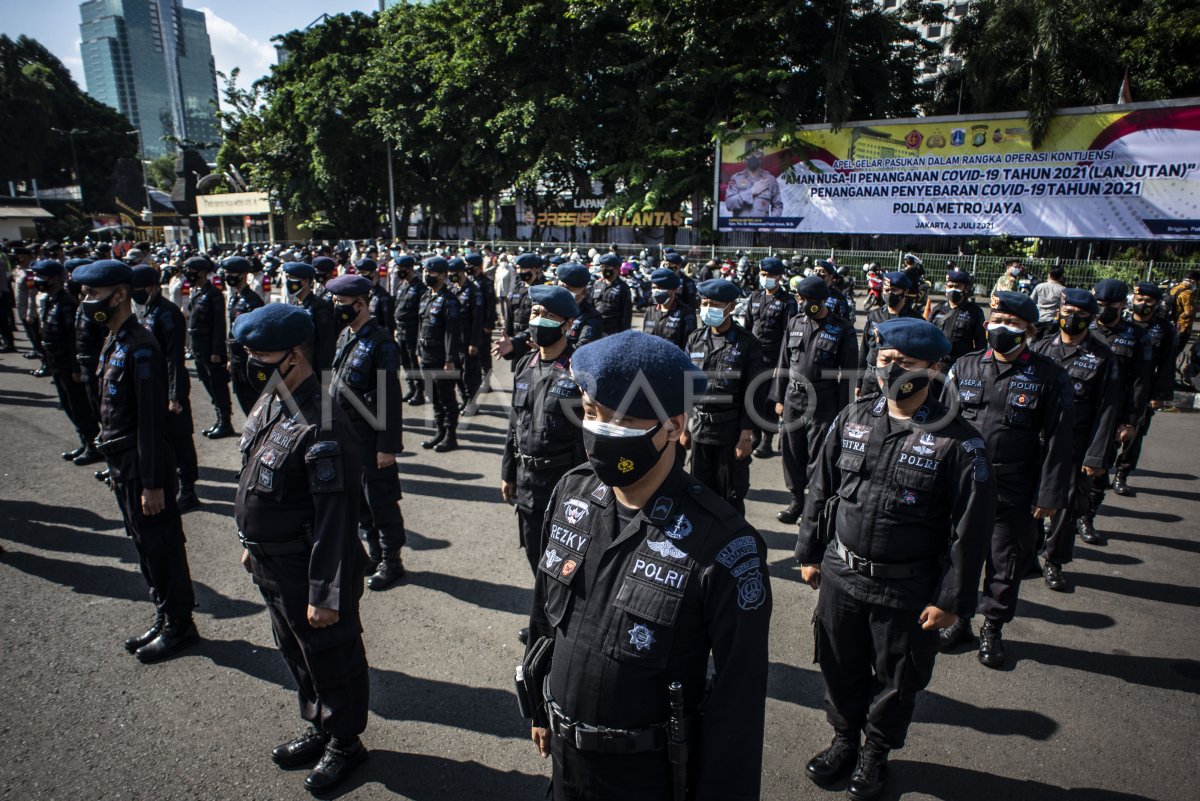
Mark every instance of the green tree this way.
pixel 161 172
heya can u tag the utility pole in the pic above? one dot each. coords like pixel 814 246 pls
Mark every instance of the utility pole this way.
pixel 391 182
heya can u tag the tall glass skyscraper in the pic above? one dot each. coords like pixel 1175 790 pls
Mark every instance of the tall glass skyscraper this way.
pixel 152 61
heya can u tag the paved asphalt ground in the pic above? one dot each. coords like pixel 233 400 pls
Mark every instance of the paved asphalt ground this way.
pixel 1098 702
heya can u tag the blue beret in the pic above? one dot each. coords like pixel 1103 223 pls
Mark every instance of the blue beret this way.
pixel 632 362
pixel 349 285
pixel 913 337
pixel 771 266
pixel 365 264
pixel 609 260
pixel 237 265
pixel 323 264
pixel 456 265
pixel 668 249
pixel 406 260
pixel 274 327
pixel 435 264
pixel 107 272
pixel 1081 298
pixel 899 280
pixel 529 261
pixel 718 289
pixel 825 264
pixel 144 276
pixel 813 288
pixel 557 260
pixel 473 259
pixel 555 299
pixel 958 276
pixel 1017 303
pixel 673 258
pixel 199 264
pixel 1111 290
pixel 73 263
pixel 573 274
pixel 48 268
pixel 664 278
pixel 298 269
pixel 1149 289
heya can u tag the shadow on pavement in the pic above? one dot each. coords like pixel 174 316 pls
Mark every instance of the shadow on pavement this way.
pixel 954 783
pixel 1136 588
pixel 1192 546
pixel 448 489
pixel 1064 617
pixel 1140 473
pixel 1092 553
pixel 1164 673
pixel 433 778
pixel 486 594
pixel 1139 514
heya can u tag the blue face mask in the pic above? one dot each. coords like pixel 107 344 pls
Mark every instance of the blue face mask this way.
pixel 769 284
pixel 712 316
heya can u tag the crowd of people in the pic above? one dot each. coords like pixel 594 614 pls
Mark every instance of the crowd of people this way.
pixel 935 456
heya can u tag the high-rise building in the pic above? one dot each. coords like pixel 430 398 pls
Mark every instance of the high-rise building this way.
pixel 937 32
pixel 152 61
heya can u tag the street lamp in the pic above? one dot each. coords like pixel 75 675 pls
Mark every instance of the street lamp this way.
pixel 391 182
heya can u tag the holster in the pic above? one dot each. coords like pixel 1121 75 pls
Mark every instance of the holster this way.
pixel 827 519
pixel 530 681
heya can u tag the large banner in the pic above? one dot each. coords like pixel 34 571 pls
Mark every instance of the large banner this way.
pixel 1109 172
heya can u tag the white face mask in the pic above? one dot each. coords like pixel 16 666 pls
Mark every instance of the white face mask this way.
pixel 769 284
pixel 712 316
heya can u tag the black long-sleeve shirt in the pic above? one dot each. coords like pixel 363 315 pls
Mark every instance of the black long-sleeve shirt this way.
pixel 133 404
pixel 440 336
pixel 676 324
pixel 164 319
pixel 206 321
pixel 821 353
pixel 1135 368
pixel 732 360
pixel 963 325
pixel 58 331
pixel 325 330
pixel 366 358
pixel 1092 372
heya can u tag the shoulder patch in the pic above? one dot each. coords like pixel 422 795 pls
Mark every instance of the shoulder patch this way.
pixel 325 467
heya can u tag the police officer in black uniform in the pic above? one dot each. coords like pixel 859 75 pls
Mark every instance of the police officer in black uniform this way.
pixel 837 302
pixel 1158 334
pixel 408 323
pixel 438 348
pixel 367 385
pixel 236 272
pixel 296 510
pixel 164 320
pixel 899 300
pixel 515 342
pixel 57 329
pixel 324 268
pixel 207 334
pixel 89 342
pixel 133 406
pixel 300 280
pixel 810 386
pixel 722 424
pixel 479 366
pixel 1094 378
pixel 544 437
pixel 768 311
pixel 645 574
pixel 587 325
pixel 687 292
pixel 472 317
pixel 898 557
pixel 960 318
pixel 669 317
pixel 611 296
pixel 1023 404
pixel 380 303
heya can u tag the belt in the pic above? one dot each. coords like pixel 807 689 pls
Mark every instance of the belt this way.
pixel 115 446
pixel 546 462
pixel 603 739
pixel 716 418
pixel 871 569
pixel 275 548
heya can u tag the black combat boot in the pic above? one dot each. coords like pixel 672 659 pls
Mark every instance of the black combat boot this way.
pixel 412 391
pixel 134 643
pixel 449 441
pixel 374 556
pixel 1086 528
pixel 954 635
pixel 303 750
pixel 388 573
pixel 764 449
pixel 102 475
pixel 89 456
pixel 418 399
pixel 175 636
pixel 71 456
pixel 835 761
pixel 791 514
pixel 222 428
pixel 1053 575
pixel 188 500
pixel 436 439
pixel 340 759
pixel 991 644
pixel 870 774
pixel 1121 483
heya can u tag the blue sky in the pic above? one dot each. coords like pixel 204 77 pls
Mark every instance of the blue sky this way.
pixel 240 30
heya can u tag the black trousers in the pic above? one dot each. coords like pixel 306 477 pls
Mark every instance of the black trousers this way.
pixel 1014 542
pixel 179 437
pixel 875 659
pixel 329 664
pixel 529 530
pixel 472 377
pixel 72 397
pixel 382 527
pixel 1131 451
pixel 215 378
pixel 245 394
pixel 800 446
pixel 410 363
pixel 162 553
pixel 719 469
pixel 593 776
pixel 8 323
pixel 1059 546
pixel 445 398
pixel 91 387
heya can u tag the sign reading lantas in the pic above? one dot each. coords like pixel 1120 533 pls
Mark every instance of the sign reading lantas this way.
pixel 1107 172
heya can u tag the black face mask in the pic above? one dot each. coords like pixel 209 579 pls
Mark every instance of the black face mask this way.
pixel 141 296
pixel 661 296
pixel 99 311
pixel 431 280
pixel 622 461
pixel 955 296
pixel 1109 314
pixel 753 163
pixel 193 278
pixel 811 307
pixel 1003 339
pixel 545 335
pixel 896 300
pixel 526 277
pixel 900 383
pixel 346 311
pixel 1143 309
pixel 607 272
pixel 41 285
pixel 1074 323
pixel 294 287
pixel 258 372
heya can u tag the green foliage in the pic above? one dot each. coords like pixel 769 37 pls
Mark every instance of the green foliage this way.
pixel 161 172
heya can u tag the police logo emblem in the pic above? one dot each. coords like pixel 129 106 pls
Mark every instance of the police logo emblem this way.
pixel 100 317
pixel 575 511
pixel 855 431
pixel 680 529
pixel 662 508
pixel 666 548
pixel 921 449
pixel 569 567
pixel 266 478
pixel 928 440
pixel 625 464
pixel 751 592
pixel 552 558
pixel 641 637
pixel 260 375
pixel 908 498
pixel 325 470
pixel 906 387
